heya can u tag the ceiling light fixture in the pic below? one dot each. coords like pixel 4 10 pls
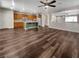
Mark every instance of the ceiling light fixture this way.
pixel 23 9
pixel 46 7
pixel 13 4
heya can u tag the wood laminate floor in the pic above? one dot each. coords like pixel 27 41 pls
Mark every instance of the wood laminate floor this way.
pixel 44 43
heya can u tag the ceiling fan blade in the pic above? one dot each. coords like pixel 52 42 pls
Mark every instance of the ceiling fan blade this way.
pixel 52 5
pixel 42 2
pixel 52 2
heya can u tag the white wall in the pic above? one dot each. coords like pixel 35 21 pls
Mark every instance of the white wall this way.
pixel 43 20
pixel 59 23
pixel 1 19
pixel 46 19
pixel 6 18
pixel 19 6
pixel 6 4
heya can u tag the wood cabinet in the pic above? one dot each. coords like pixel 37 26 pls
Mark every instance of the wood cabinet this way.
pixel 18 20
pixel 19 25
pixel 31 17
pixel 18 16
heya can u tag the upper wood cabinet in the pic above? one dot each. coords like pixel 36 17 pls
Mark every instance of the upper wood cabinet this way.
pixel 31 17
pixel 18 16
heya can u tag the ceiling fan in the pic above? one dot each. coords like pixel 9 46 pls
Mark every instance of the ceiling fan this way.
pixel 48 4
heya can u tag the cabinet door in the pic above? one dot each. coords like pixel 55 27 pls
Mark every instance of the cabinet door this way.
pixel 19 25
pixel 18 16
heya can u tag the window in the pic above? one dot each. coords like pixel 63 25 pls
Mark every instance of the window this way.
pixel 71 19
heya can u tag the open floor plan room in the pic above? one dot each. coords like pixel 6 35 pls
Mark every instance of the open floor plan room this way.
pixel 39 28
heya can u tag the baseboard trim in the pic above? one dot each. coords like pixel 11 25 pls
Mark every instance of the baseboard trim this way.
pixel 6 28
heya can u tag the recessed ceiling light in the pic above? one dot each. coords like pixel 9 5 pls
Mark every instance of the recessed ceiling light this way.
pixel 13 4
pixel 23 9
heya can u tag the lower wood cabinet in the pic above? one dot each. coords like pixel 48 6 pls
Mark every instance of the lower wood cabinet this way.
pixel 18 25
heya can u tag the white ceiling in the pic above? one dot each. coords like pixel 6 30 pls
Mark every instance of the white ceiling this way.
pixel 32 5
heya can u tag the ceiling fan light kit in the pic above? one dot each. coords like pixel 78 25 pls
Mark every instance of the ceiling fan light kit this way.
pixel 46 6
